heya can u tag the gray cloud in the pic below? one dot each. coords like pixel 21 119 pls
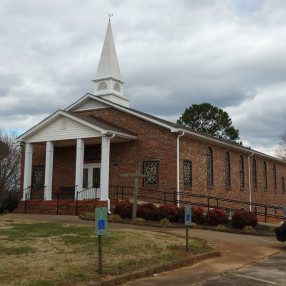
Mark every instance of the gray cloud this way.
pixel 172 54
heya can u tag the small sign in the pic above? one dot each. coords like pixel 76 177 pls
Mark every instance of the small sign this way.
pixel 284 211
pixel 101 221
pixel 188 215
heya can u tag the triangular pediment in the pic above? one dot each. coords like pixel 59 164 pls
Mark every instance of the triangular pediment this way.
pixel 61 126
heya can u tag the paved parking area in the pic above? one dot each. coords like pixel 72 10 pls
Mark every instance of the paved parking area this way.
pixel 271 271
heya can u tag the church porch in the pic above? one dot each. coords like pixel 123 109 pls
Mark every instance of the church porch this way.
pixel 67 158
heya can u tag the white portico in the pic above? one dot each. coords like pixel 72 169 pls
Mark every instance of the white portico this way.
pixel 63 129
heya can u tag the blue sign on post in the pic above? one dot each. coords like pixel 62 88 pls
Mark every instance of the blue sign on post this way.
pixel 188 215
pixel 101 221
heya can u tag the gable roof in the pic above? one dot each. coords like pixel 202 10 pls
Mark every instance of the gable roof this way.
pixel 92 122
pixel 173 127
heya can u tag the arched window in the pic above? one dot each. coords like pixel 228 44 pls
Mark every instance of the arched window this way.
pixel 274 178
pixel 241 172
pixel 254 176
pixel 264 175
pixel 209 167
pixel 116 86
pixel 227 169
pixel 102 86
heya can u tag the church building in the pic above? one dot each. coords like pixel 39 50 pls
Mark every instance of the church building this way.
pixel 82 151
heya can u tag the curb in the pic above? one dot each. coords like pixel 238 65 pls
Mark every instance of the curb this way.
pixel 155 269
pixel 236 231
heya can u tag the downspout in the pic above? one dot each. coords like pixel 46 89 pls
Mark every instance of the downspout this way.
pixel 108 200
pixel 178 167
pixel 249 180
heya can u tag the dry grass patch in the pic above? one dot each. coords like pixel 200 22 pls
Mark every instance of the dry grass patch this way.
pixel 57 254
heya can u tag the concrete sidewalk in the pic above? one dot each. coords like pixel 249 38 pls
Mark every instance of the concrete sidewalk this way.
pixel 237 250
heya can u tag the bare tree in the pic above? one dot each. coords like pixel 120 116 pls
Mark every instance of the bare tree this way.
pixel 281 151
pixel 10 158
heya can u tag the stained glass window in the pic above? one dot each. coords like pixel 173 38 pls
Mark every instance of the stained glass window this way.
pixel 209 167
pixel 38 177
pixel 283 185
pixel 227 170
pixel 241 172
pixel 150 168
pixel 264 175
pixel 254 175
pixel 274 178
pixel 187 173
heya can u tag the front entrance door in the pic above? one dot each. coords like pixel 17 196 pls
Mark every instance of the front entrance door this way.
pixel 91 181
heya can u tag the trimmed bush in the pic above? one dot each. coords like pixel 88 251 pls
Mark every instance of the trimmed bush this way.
pixel 216 217
pixel 140 220
pixel 240 219
pixel 198 216
pixel 165 222
pixel 221 227
pixel 170 212
pixel 114 218
pixel 249 228
pixel 148 211
pixel 124 209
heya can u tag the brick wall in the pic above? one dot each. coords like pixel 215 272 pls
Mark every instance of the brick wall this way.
pixel 195 151
pixel 156 143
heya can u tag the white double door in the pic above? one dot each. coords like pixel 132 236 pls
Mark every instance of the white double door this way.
pixel 91 180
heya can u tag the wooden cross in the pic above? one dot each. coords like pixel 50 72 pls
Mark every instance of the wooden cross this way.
pixel 136 176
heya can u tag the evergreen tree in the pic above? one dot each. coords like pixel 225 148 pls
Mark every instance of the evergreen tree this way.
pixel 210 120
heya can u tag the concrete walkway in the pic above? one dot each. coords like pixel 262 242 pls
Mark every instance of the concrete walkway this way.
pixel 237 251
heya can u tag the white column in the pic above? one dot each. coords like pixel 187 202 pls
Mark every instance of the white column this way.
pixel 49 170
pixel 79 164
pixel 27 168
pixel 104 170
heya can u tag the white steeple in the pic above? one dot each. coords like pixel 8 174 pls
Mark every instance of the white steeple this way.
pixel 108 82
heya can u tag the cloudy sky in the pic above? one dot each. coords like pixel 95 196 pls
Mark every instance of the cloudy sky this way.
pixel 172 54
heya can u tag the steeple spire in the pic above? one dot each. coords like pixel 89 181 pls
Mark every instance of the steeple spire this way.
pixel 108 64
pixel 108 82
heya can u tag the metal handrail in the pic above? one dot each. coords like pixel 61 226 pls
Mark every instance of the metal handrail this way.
pixel 171 197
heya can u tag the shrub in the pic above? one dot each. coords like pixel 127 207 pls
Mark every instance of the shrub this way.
pixel 240 219
pixel 249 228
pixel 114 218
pixel 198 216
pixel 165 222
pixel 124 209
pixel 181 214
pixel 88 216
pixel 148 211
pixel 9 204
pixel 215 217
pixel 170 212
pixel 221 227
pixel 139 220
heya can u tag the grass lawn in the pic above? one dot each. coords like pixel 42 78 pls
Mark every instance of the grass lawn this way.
pixel 41 254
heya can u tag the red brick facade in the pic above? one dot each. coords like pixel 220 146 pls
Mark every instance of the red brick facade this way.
pixel 156 143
